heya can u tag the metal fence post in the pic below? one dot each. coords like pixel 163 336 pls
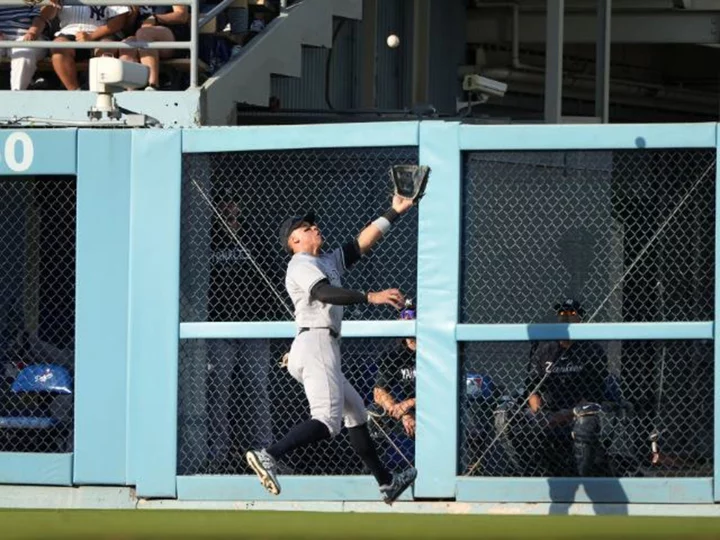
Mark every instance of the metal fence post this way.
pixel 194 16
pixel 716 330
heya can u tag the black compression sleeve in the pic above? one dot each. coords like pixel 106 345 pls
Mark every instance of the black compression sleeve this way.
pixel 326 293
pixel 351 253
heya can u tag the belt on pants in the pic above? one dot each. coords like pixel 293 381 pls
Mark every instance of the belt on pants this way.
pixel 332 331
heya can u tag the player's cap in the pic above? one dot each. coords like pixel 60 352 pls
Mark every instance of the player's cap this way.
pixel 292 223
pixel 569 305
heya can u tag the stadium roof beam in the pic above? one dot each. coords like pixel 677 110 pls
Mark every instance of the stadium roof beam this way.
pixel 602 60
pixel 680 26
pixel 554 62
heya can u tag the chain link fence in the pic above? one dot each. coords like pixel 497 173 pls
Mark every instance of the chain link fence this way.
pixel 233 396
pixel 232 263
pixel 628 233
pixel 37 313
pixel 650 391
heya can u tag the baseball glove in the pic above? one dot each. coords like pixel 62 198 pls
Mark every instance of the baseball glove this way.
pixel 410 181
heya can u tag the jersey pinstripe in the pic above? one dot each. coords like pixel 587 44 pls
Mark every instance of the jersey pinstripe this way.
pixel 304 272
pixel 75 19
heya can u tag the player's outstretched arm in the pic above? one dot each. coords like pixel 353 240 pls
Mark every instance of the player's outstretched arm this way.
pixel 339 296
pixel 370 235
pixel 390 297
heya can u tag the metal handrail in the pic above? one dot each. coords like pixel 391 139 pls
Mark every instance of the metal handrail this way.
pixel 195 24
pixel 192 45
pixel 20 3
pixel 194 29
pixel 214 12
pixel 44 44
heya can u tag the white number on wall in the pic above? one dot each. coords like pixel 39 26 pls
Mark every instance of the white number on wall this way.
pixel 19 151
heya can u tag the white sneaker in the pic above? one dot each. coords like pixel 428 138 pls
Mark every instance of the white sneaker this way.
pixel 264 466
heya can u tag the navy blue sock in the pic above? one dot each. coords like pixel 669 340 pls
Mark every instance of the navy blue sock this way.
pixel 364 447
pixel 310 431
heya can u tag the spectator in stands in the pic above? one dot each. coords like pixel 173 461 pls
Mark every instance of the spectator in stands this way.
pixel 157 24
pixel 258 24
pixel 22 24
pixel 233 19
pixel 83 23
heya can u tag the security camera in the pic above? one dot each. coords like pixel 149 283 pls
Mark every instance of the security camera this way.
pixel 482 85
pixel 108 75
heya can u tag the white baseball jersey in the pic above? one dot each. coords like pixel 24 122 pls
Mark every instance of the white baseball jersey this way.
pixel 304 272
pixel 75 19
pixel 314 358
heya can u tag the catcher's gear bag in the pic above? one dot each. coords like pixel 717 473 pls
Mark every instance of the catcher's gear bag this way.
pixel 409 181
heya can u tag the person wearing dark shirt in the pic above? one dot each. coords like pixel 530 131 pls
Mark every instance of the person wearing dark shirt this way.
pixel 394 394
pixel 395 384
pixel 565 386
pixel 564 374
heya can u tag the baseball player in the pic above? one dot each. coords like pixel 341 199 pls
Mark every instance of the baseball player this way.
pixel 313 282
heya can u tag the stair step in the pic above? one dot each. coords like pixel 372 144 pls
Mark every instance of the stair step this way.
pixel 277 51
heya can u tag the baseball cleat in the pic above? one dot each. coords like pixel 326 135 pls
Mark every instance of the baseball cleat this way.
pixel 264 466
pixel 400 482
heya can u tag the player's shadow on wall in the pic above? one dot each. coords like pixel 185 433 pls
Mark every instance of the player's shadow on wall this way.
pixel 606 495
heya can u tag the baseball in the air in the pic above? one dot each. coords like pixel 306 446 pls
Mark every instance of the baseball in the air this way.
pixel 393 41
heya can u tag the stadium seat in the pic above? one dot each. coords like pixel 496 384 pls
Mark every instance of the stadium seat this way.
pixel 29 422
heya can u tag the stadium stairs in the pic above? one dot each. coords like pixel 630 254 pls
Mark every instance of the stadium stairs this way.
pixel 276 51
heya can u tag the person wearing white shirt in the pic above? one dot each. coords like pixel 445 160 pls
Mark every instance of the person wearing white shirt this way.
pixel 83 23
pixel 22 24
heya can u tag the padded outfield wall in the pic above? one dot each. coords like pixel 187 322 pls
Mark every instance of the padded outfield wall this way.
pixel 116 246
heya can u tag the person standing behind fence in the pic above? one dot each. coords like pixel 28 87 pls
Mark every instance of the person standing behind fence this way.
pixel 237 294
pixel 394 392
pixel 157 23
pixel 565 385
pixel 22 24
pixel 396 374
